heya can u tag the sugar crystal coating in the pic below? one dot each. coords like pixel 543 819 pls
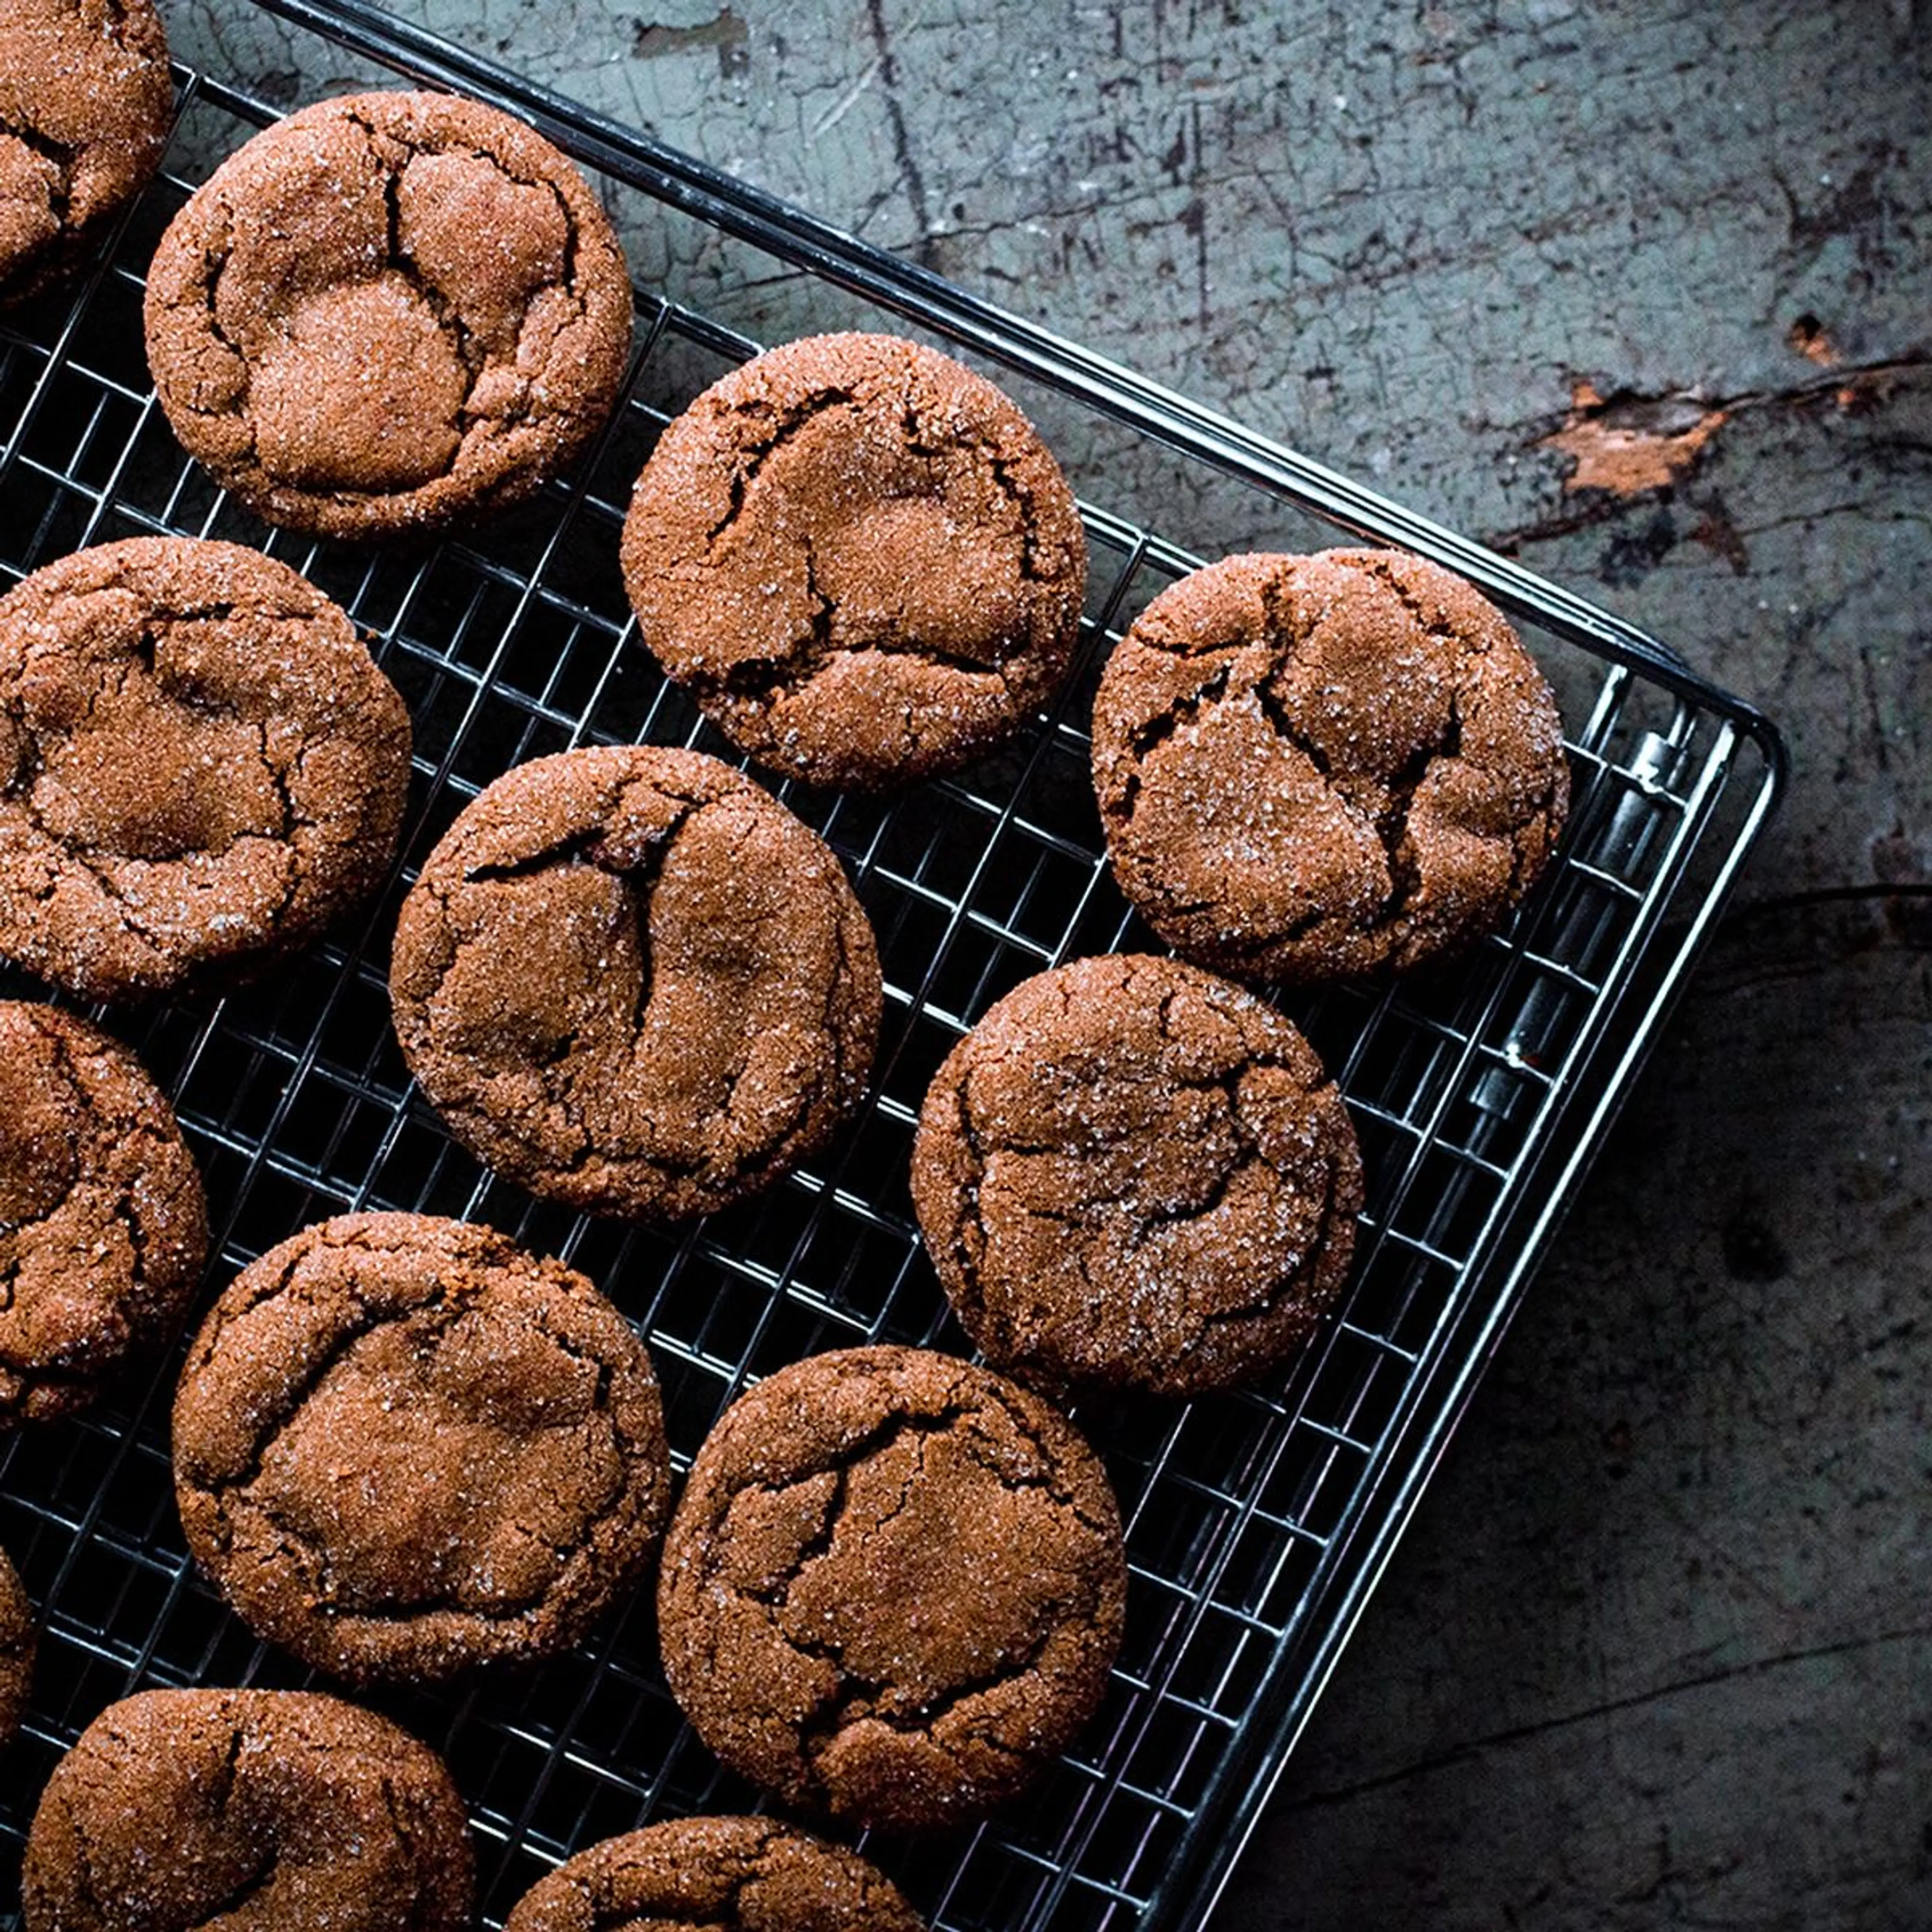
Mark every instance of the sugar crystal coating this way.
pixel 404 1447
pixel 103 1228
pixel 893 1588
pixel 724 1874
pixel 630 979
pixel 16 1649
pixel 859 558
pixel 1309 767
pixel 178 1809
pixel 85 102
pixel 1134 1174
pixel 200 766
pixel 386 312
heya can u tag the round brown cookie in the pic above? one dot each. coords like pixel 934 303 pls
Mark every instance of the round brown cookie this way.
pixel 631 980
pixel 388 311
pixel 1133 1174
pixel 16 1649
pixel 859 558
pixel 722 1874
pixel 199 765
pixel 103 1228
pixel 180 1809
pixel 893 1588
pixel 403 1446
pixel 84 103
pixel 1311 766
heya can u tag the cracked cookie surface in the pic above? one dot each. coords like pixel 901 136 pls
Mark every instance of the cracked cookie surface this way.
pixel 630 979
pixel 893 1588
pixel 1133 1174
pixel 103 1228
pixel 16 1649
pixel 714 1875
pixel 200 765
pixel 859 558
pixel 1311 767
pixel 404 1447
pixel 181 1809
pixel 84 103
pixel 388 311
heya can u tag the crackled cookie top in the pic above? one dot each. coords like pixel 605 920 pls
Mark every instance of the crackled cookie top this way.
pixel 893 1588
pixel 85 102
pixel 182 1809
pixel 714 1875
pixel 198 763
pixel 386 311
pixel 860 560
pixel 1311 766
pixel 16 1649
pixel 1134 1174
pixel 403 1446
pixel 103 1226
pixel 630 979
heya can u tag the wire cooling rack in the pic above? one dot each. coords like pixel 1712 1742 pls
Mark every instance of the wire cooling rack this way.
pixel 1258 1522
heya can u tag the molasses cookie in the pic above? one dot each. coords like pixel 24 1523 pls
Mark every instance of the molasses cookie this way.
pixel 200 766
pixel 1309 767
pixel 403 1446
pixel 724 1874
pixel 180 1809
pixel 386 312
pixel 85 103
pixel 893 1588
pixel 16 1649
pixel 1133 1174
pixel 860 560
pixel 103 1225
pixel 631 980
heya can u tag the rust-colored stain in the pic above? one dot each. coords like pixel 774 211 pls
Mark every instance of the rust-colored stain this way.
pixel 1629 444
pixel 1807 336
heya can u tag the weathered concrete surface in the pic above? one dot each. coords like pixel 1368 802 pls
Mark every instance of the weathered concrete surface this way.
pixel 1656 1652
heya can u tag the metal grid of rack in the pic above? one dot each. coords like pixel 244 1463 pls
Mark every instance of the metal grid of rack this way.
pixel 1257 1522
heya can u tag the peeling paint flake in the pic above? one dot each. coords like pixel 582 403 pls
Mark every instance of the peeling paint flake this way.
pixel 676 26
pixel 1807 338
pixel 1627 444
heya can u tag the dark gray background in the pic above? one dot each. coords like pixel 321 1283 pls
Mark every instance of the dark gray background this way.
pixel 1656 1652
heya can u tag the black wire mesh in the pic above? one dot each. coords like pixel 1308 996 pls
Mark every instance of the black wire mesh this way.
pixel 1255 1521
